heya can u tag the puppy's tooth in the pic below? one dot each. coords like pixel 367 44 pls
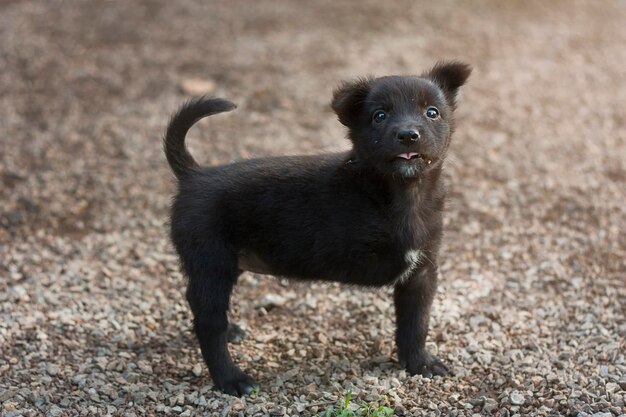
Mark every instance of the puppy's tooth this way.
pixel 429 161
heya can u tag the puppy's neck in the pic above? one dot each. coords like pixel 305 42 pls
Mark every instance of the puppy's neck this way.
pixel 398 191
pixel 416 187
pixel 416 194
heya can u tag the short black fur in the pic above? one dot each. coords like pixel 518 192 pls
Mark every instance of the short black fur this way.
pixel 371 216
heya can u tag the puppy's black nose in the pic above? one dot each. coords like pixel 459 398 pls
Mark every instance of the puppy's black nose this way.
pixel 408 136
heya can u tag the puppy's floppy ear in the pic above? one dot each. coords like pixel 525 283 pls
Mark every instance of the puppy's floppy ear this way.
pixel 348 100
pixel 449 76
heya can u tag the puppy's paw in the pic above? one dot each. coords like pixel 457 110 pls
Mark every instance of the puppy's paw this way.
pixel 239 384
pixel 427 365
pixel 235 333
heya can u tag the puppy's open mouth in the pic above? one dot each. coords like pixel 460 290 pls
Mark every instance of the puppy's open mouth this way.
pixel 415 156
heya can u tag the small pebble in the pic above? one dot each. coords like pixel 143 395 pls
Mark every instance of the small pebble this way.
pixel 516 398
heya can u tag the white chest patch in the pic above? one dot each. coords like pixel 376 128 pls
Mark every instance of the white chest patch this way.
pixel 413 258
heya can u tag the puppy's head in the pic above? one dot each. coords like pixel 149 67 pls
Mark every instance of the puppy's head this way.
pixel 401 125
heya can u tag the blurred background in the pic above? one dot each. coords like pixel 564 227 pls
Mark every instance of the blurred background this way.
pixel 532 275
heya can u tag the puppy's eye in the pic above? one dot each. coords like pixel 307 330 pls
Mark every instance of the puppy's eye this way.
pixel 432 112
pixel 379 116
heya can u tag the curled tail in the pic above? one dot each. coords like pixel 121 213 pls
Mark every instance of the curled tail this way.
pixel 178 156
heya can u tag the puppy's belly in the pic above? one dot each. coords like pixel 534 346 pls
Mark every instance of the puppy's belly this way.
pixel 249 261
pixel 374 272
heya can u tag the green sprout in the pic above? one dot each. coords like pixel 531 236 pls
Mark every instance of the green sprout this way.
pixel 363 410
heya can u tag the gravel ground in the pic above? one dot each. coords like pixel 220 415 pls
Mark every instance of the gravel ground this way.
pixel 530 314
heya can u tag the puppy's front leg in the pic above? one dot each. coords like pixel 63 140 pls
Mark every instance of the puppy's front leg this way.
pixel 413 298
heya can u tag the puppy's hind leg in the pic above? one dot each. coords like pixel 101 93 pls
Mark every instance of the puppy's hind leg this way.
pixel 212 272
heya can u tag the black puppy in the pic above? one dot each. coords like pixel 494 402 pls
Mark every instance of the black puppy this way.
pixel 371 216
